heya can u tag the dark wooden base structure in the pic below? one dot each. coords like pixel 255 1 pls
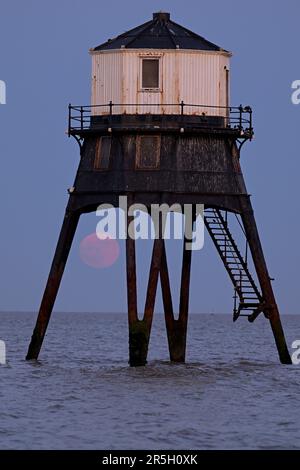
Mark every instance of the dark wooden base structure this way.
pixel 199 166
pixel 139 330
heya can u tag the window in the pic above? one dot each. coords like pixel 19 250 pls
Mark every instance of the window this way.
pixel 102 156
pixel 150 73
pixel 147 152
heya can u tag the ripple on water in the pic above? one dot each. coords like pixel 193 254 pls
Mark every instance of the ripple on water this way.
pixel 232 393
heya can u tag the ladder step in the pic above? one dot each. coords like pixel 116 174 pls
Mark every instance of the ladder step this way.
pixel 248 289
pixel 253 298
pixel 225 245
pixel 229 254
pixel 232 263
pixel 249 299
pixel 244 306
pixel 251 292
pixel 228 258
pixel 249 296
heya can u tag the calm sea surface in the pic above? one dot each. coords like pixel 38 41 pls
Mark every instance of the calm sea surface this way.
pixel 231 394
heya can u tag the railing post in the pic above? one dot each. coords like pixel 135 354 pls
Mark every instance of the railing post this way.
pixel 182 107
pixel 250 122
pixel 229 116
pixel 69 121
pixel 241 117
pixel 81 118
pixel 110 112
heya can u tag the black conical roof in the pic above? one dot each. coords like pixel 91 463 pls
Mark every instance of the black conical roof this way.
pixel 159 33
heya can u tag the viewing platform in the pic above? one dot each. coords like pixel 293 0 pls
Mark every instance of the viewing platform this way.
pixel 178 117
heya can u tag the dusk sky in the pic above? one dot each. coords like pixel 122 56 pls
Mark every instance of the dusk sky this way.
pixel 45 64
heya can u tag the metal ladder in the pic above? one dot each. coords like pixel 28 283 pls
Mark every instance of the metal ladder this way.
pixel 250 299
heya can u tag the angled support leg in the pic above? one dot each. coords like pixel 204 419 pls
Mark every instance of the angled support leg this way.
pixel 167 301
pixel 56 272
pixel 152 282
pixel 271 310
pixel 176 329
pixel 139 330
pixel 135 335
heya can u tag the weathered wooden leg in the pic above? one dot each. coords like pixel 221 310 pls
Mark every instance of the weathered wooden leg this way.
pixel 184 302
pixel 133 322
pixel 176 329
pixel 167 300
pixel 56 272
pixel 152 288
pixel 139 330
pixel 271 310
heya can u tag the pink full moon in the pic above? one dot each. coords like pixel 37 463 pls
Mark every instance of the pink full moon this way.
pixel 99 253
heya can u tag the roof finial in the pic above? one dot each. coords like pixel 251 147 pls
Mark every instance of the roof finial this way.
pixel 161 16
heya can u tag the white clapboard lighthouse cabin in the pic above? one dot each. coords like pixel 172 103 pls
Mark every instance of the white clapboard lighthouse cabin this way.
pixel 158 65
pixel 160 130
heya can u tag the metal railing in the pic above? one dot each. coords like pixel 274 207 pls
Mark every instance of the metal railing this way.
pixel 235 117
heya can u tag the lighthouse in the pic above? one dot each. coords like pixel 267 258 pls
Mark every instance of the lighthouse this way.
pixel 161 129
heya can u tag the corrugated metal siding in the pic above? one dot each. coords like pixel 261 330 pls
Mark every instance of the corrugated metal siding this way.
pixel 194 77
pixel 130 82
pixel 224 89
pixel 106 81
pixel 171 82
pixel 198 81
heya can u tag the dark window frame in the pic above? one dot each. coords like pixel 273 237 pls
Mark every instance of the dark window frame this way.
pixel 102 162
pixel 148 86
pixel 139 164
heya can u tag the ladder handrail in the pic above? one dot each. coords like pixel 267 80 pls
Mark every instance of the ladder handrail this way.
pixel 237 268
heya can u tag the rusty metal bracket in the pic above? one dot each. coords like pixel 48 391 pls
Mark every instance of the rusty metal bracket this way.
pixel 240 145
pixel 79 141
